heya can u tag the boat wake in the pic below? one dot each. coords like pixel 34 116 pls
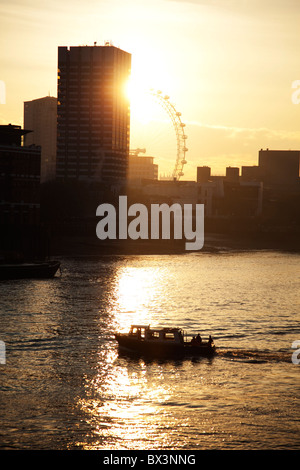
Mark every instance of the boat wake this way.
pixel 254 356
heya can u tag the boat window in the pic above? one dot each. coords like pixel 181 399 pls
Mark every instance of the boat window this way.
pixel 153 334
pixel 169 336
pixel 133 331
pixel 138 331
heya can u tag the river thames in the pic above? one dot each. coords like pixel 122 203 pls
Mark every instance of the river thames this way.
pixel 64 385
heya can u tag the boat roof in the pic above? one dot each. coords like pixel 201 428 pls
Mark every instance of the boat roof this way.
pixel 140 326
pixel 166 329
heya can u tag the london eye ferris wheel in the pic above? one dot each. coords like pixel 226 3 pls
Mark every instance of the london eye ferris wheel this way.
pixel 179 128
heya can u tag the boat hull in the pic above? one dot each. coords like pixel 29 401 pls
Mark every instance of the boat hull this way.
pixel 29 270
pixel 204 349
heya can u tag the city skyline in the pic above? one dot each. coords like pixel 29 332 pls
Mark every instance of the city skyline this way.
pixel 228 67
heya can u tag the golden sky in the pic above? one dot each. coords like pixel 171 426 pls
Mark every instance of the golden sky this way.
pixel 227 65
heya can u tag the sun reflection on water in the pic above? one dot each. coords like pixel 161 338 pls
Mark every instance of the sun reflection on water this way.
pixel 123 406
pixel 136 295
pixel 126 405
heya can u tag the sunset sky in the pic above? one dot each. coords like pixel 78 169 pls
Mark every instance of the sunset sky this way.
pixel 227 65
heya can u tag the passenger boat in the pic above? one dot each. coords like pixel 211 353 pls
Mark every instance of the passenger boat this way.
pixel 162 342
pixel 43 270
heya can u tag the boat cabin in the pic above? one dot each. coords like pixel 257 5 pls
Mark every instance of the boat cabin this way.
pixel 144 332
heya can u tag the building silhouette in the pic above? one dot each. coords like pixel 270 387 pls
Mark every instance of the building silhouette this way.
pixel 93 116
pixel 251 173
pixel 142 168
pixel 19 194
pixel 203 174
pixel 279 167
pixel 19 178
pixel 232 174
pixel 40 116
pixel 229 195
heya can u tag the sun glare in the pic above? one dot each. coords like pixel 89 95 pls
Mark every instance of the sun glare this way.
pixel 135 290
pixel 143 107
pixel 150 123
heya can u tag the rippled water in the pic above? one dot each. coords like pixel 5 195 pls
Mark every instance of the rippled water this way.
pixel 64 386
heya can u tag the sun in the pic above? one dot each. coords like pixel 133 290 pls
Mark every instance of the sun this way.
pixel 148 73
pixel 143 107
